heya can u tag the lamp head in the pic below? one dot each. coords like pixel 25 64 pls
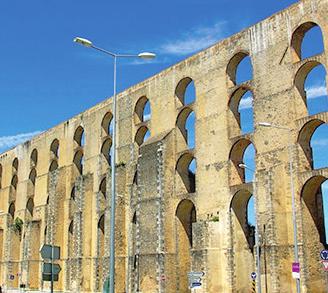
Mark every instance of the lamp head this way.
pixel 243 166
pixel 265 124
pixel 146 55
pixel 83 42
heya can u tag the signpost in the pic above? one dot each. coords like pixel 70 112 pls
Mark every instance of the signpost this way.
pixel 324 259
pixel 50 270
pixel 195 279
pixel 296 270
pixel 253 277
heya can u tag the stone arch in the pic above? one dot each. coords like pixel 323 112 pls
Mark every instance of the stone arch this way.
pixel 103 187
pixel 142 135
pixel 12 209
pixel 15 165
pixel 106 123
pixel 53 166
pixel 54 147
pixel 185 91
pixel 313 229
pixel 32 176
pixel 78 161
pixel 298 38
pixel 304 138
pixel 73 193
pixel 142 110
pixel 30 206
pixel 187 131
pixel 243 239
pixel 185 216
pixel 233 65
pixel 14 181
pixel 187 176
pixel 106 149
pixel 34 157
pixel 301 77
pixel 240 101
pixel 101 249
pixel 236 156
pixel 79 136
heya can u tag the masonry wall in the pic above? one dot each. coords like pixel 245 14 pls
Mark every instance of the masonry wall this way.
pixel 165 227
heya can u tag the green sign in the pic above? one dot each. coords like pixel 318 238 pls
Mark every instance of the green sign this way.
pixel 106 286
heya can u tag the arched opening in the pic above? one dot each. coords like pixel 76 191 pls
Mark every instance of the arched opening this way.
pixel 107 124
pixel 243 238
pixel 32 176
pixel 79 161
pixel 185 216
pixel 54 147
pixel 30 206
pixel 314 218
pixel 53 166
pixel 14 182
pixel 315 89
pixel 103 187
pixel 310 80
pixel 15 165
pixel 34 157
pixel 71 251
pixel 309 141
pixel 241 105
pixel 186 125
pixel 185 91
pixel 240 69
pixel 242 152
pixel 79 136
pixel 11 210
pixel 101 249
pixel 186 168
pixel 73 193
pixel 106 150
pixel 142 135
pixel 307 41
pixel 142 110
pixel 319 146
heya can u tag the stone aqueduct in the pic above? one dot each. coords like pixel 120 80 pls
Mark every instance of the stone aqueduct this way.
pixel 172 218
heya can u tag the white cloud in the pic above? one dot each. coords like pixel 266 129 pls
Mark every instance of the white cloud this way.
pixel 7 142
pixel 316 91
pixel 320 142
pixel 246 103
pixel 194 40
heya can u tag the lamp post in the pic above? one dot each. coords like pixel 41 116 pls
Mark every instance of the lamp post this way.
pixel 142 55
pixel 290 158
pixel 257 241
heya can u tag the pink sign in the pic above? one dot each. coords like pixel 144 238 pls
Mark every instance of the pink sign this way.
pixel 296 267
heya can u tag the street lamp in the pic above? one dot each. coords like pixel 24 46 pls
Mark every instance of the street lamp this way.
pixel 142 55
pixel 290 158
pixel 257 242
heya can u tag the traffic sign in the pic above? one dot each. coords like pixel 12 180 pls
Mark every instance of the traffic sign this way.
pixel 296 270
pixel 47 268
pixel 46 252
pixel 325 265
pixel 47 277
pixel 324 254
pixel 253 275
pixel 195 279
pixel 11 277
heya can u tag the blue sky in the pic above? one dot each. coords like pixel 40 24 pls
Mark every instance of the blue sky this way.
pixel 45 78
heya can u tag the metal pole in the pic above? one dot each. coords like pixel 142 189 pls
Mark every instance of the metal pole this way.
pixel 113 199
pixel 52 269
pixel 257 242
pixel 290 157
